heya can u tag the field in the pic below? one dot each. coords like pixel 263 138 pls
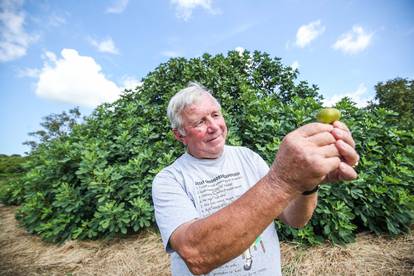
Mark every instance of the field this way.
pixel 142 254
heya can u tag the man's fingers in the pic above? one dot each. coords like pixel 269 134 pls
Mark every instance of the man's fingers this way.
pixel 329 151
pixel 348 153
pixel 331 164
pixel 322 139
pixel 340 125
pixel 313 128
pixel 344 135
pixel 346 172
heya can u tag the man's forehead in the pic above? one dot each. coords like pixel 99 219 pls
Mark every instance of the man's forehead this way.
pixel 205 105
pixel 200 108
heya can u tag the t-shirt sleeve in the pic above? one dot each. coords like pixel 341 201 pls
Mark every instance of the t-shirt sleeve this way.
pixel 261 166
pixel 172 205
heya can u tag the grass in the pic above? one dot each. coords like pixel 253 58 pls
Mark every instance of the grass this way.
pixel 142 254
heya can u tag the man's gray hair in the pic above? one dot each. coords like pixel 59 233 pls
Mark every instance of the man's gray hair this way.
pixel 190 95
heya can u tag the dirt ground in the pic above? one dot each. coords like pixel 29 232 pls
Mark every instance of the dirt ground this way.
pixel 142 254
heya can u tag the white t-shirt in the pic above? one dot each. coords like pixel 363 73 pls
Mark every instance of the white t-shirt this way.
pixel 195 188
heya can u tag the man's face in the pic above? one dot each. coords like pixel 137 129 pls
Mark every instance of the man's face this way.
pixel 205 129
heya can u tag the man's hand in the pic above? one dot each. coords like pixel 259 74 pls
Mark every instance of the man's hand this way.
pixel 307 155
pixel 346 147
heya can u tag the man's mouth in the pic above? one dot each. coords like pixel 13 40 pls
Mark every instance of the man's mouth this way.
pixel 210 140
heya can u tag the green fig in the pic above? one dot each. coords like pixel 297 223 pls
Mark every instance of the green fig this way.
pixel 328 115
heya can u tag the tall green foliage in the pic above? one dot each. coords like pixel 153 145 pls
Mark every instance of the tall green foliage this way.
pixel 54 126
pixel 11 169
pixel 381 199
pixel 96 181
pixel 398 95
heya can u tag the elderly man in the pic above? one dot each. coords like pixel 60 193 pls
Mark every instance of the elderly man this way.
pixel 215 205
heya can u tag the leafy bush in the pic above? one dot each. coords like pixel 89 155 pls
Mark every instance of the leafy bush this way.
pixel 381 199
pixel 11 169
pixel 96 180
pixel 397 95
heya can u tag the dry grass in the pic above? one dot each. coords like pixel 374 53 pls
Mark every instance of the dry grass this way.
pixel 368 255
pixel 25 254
pixel 142 254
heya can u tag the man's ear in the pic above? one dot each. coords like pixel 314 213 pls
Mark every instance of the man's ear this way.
pixel 178 135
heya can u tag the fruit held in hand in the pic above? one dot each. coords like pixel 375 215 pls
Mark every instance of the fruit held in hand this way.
pixel 328 115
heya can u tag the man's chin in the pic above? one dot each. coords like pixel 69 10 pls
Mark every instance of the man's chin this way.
pixel 213 155
pixel 216 151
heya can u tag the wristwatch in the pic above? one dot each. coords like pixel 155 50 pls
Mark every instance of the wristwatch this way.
pixel 314 190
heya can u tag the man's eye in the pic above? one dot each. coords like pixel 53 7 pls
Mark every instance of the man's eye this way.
pixel 198 123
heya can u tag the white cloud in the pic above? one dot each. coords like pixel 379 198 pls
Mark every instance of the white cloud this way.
pixel 353 41
pixel 56 20
pixel 130 83
pixel 358 96
pixel 184 8
pixel 14 40
pixel 240 50
pixel 309 32
pixel 105 46
pixel 295 65
pixel 50 56
pixel 28 72
pixel 249 61
pixel 117 7
pixel 75 79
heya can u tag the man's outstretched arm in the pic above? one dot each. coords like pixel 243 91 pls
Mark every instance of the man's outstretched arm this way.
pixel 305 157
pixel 300 210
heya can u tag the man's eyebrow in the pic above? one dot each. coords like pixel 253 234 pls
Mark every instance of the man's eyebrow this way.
pixel 194 121
pixel 191 121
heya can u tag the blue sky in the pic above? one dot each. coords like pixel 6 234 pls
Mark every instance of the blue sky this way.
pixel 55 55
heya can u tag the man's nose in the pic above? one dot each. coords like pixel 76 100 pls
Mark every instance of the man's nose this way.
pixel 212 126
